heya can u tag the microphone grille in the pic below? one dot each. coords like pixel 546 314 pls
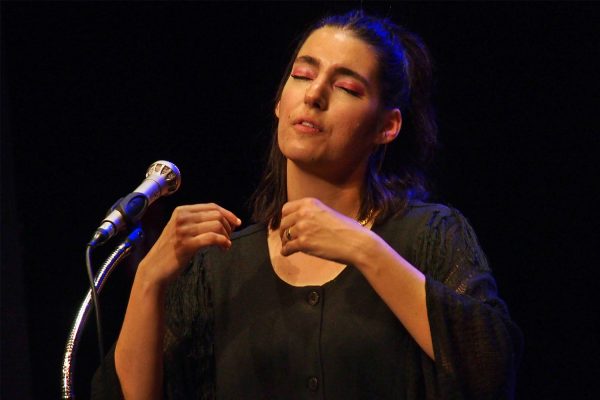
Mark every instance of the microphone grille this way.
pixel 168 172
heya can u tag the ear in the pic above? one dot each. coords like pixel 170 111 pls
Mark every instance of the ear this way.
pixel 277 110
pixel 391 124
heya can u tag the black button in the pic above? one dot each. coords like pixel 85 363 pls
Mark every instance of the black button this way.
pixel 313 298
pixel 313 383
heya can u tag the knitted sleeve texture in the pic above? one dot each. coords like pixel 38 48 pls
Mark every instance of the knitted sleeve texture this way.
pixel 189 360
pixel 188 365
pixel 476 345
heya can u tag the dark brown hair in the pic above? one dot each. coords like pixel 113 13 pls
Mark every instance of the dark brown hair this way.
pixel 395 172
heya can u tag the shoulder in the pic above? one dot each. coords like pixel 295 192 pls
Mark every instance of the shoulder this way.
pixel 426 232
pixel 423 210
pixel 250 232
pixel 249 245
pixel 406 231
pixel 246 241
pixel 243 241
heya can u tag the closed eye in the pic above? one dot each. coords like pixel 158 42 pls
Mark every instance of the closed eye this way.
pixel 350 91
pixel 300 77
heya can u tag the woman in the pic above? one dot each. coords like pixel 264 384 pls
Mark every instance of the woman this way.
pixel 349 285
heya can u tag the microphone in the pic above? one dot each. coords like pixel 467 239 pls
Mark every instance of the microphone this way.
pixel 162 179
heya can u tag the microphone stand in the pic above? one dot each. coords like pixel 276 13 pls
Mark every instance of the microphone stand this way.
pixel 122 251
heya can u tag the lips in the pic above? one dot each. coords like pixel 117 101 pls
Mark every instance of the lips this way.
pixel 307 125
pixel 310 125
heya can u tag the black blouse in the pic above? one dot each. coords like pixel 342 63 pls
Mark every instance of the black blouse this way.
pixel 237 331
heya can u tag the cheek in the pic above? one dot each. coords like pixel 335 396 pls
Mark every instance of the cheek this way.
pixel 359 122
pixel 284 102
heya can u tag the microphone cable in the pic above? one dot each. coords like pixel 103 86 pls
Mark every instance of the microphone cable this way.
pixel 95 301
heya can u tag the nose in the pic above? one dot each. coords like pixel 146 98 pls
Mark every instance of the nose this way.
pixel 316 95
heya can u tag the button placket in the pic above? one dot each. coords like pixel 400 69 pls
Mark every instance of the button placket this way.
pixel 314 300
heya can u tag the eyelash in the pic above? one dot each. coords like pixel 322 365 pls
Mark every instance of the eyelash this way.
pixel 305 78
pixel 300 77
pixel 350 92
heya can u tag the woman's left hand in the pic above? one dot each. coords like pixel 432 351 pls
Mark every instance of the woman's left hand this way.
pixel 309 226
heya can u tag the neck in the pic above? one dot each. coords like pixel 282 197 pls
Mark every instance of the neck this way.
pixel 343 195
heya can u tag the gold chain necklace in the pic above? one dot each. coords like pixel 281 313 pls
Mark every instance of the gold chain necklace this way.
pixel 366 219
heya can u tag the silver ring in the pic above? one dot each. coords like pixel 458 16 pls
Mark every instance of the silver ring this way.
pixel 288 234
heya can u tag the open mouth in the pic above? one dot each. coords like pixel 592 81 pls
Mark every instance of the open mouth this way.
pixel 304 125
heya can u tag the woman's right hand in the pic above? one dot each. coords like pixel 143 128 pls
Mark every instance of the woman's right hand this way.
pixel 190 229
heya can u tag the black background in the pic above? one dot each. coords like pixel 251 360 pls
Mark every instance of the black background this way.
pixel 92 93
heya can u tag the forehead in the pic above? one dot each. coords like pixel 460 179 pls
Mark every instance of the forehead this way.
pixel 335 47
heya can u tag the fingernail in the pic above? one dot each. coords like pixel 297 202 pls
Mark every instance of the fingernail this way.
pixel 239 221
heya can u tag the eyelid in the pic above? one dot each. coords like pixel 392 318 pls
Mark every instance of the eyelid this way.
pixel 351 88
pixel 351 92
pixel 302 72
pixel 299 76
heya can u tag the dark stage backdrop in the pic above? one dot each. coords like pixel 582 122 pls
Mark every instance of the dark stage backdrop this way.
pixel 92 93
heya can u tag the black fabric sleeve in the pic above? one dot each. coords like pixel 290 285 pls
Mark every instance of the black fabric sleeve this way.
pixel 477 347
pixel 188 367
pixel 188 355
pixel 105 383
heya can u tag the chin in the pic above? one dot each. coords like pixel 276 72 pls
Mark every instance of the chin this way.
pixel 299 153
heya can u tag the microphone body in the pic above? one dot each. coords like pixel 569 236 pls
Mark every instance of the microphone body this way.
pixel 162 179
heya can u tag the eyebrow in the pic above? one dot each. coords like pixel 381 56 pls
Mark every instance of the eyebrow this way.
pixel 339 70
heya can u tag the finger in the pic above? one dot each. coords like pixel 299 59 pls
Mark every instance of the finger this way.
pixel 204 212
pixel 290 247
pixel 207 216
pixel 231 217
pixel 286 235
pixel 286 225
pixel 292 206
pixel 185 220
pixel 192 230
pixel 210 239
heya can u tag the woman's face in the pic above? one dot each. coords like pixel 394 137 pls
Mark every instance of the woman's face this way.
pixel 329 107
